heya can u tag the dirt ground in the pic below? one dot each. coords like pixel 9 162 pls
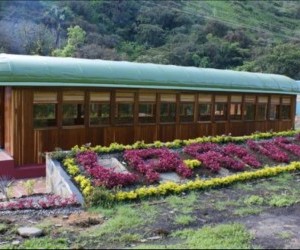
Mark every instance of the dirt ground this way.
pixel 272 227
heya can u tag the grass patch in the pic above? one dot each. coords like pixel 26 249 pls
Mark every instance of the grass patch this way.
pixel 224 236
pixel 3 228
pixel 127 238
pixel 223 205
pixel 283 200
pixel 178 201
pixel 285 235
pixel 124 217
pixel 157 247
pixel 40 243
pixel 184 219
pixel 244 211
pixel 254 200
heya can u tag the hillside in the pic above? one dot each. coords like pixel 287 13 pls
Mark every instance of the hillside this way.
pixel 261 36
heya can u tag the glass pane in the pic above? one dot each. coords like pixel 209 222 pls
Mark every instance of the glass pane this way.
pixel 124 113
pixel 220 111
pixel 186 112
pixel 167 112
pixel 204 112
pixel 73 114
pixel 249 111
pixel 99 113
pixel 44 115
pixel 147 112
pixel 261 111
pixel 285 112
pixel 274 112
pixel 235 111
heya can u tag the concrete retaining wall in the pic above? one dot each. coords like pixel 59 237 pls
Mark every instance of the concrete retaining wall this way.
pixel 58 182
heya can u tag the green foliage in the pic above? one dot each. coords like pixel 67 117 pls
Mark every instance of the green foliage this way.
pixel 250 35
pixel 76 38
pixel 45 243
pixel 254 200
pixel 123 218
pixel 101 197
pixel 224 236
pixel 281 59
pixel 283 200
pixel 184 219
pixel 249 210
pixel 29 186
pixel 3 228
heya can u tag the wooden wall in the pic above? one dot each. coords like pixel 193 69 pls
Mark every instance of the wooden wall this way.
pixel 27 144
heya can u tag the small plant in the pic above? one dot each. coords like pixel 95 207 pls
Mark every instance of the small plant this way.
pixel 285 235
pixel 184 219
pixel 5 181
pixel 193 163
pixel 29 185
pixel 102 197
pixel 3 228
pixel 58 154
pixel 254 200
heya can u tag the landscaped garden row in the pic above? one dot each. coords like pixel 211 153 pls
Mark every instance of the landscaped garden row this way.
pixel 46 202
pixel 146 163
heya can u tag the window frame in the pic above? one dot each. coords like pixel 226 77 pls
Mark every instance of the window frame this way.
pixel 83 110
pixel 100 101
pixel 46 101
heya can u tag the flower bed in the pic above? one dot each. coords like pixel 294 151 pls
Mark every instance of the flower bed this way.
pixel 101 176
pixel 214 156
pixel 268 149
pixel 45 202
pixel 146 163
pixel 287 145
pixel 151 162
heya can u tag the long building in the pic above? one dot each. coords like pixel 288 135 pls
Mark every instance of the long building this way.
pixel 49 102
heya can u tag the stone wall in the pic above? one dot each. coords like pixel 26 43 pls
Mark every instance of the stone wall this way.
pixel 58 182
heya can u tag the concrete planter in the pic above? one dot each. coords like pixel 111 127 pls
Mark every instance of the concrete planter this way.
pixel 58 182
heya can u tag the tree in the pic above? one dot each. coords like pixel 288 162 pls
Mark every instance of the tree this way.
pixel 55 17
pixel 151 35
pixel 282 59
pixel 76 38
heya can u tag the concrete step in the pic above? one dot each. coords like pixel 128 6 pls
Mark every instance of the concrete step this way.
pixel 7 164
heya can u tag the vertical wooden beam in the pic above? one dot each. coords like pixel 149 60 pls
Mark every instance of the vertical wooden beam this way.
pixel 8 122
pixel 2 117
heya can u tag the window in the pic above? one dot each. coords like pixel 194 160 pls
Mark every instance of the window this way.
pixel 168 108
pixel 73 108
pixel 262 104
pixel 187 107
pixel 249 108
pixel 221 108
pixel 44 109
pixel 274 108
pixel 124 107
pixel 236 107
pixel 147 107
pixel 204 107
pixel 99 108
pixel 286 108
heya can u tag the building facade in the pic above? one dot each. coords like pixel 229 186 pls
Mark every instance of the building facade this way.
pixel 48 102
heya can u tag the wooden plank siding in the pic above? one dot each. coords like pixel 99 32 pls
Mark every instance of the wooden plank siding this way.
pixel 27 144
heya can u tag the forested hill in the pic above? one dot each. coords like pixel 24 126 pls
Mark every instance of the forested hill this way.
pixel 261 36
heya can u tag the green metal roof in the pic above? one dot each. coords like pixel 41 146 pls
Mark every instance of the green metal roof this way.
pixel 21 70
